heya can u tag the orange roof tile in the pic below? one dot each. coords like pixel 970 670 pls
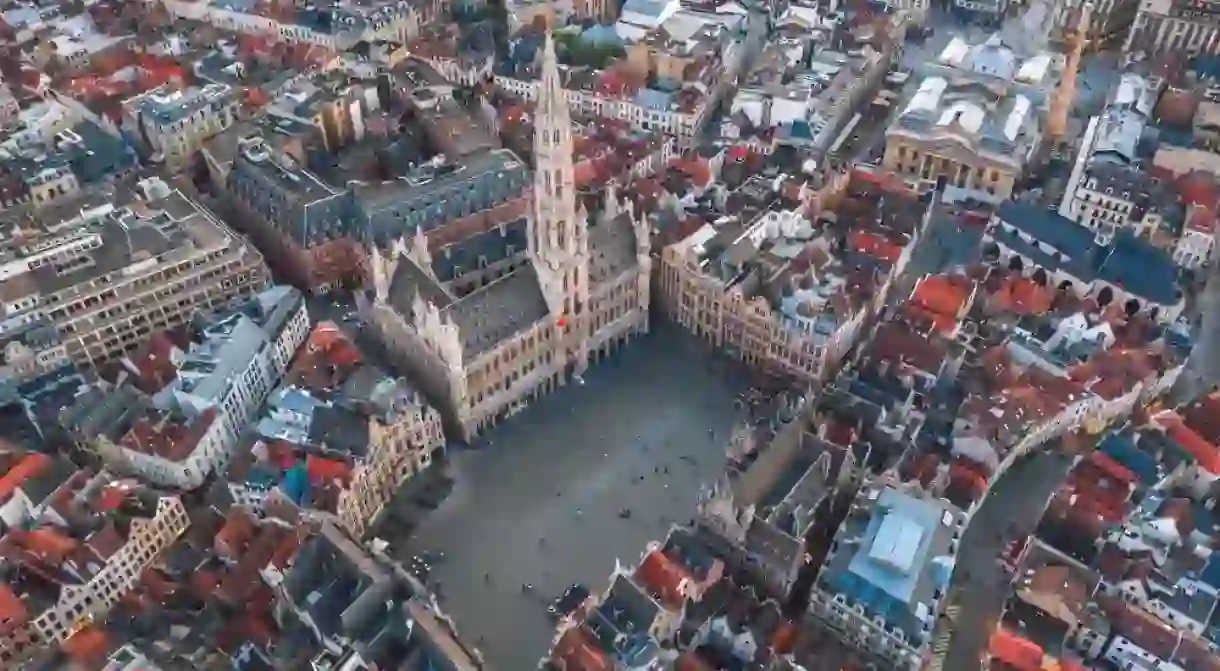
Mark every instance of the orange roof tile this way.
pixel 113 495
pixel 941 298
pixel 942 294
pixel 233 538
pixel 171 440
pixel 1019 653
pixel 1201 219
pixel 46 542
pixel 663 577
pixel 576 650
pixel 12 611
pixel 28 467
pixel 89 643
pixel 1112 468
pixel 321 469
pixel 876 246
pixel 784 639
pixel 690 661
pixel 1023 295
pixel 1203 451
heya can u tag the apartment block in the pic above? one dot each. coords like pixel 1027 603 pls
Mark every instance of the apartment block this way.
pixel 316 228
pixel 79 559
pixel 214 387
pixel 339 435
pixel 173 123
pixel 771 288
pixel 87 282
pixel 883 581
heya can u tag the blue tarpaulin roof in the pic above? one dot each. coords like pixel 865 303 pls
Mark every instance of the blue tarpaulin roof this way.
pixel 296 483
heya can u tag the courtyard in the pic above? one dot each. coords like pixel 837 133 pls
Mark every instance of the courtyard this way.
pixel 540 499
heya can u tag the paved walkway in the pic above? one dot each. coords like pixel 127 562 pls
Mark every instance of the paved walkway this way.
pixel 980 586
pixel 562 471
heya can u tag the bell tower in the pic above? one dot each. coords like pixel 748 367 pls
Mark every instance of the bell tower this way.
pixel 558 235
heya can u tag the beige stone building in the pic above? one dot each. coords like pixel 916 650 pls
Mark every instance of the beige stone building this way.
pixel 92 281
pixel 492 321
pixel 399 447
pixel 973 124
pixel 174 123
pixel 81 604
pixel 774 291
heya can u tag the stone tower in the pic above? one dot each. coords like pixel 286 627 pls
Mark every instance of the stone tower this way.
pixel 558 235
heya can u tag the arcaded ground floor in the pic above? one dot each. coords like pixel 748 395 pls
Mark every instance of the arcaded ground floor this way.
pixel 538 498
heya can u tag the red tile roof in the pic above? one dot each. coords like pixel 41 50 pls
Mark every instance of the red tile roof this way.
pixel 1024 296
pixel 171 440
pixel 962 474
pixel 12 611
pixel 898 342
pixel 1203 416
pixel 663 577
pixel 1198 188
pixel 1112 468
pixel 690 661
pixel 29 466
pixel 577 650
pixel 1015 651
pixel 327 470
pixel 152 364
pixel 696 168
pixel 942 298
pixel 274 545
pixel 1139 626
pixel 325 359
pixel 233 538
pixel 106 542
pixel 88 644
pixel 1203 451
pixel 46 543
pixel 114 494
pixel 875 245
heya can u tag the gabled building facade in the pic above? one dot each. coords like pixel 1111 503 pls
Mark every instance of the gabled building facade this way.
pixel 536 313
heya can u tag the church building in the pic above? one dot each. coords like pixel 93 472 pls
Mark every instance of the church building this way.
pixel 488 323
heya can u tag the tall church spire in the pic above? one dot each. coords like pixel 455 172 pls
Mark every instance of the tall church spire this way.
pixel 558 235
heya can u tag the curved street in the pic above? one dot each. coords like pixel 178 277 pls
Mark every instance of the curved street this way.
pixel 980 586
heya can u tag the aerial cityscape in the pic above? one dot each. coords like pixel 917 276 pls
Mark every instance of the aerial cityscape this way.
pixel 588 335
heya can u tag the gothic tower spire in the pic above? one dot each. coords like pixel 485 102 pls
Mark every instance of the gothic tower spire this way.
pixel 558 236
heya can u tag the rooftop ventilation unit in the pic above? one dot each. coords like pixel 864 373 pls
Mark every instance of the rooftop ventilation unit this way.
pixel 254 149
pixel 154 188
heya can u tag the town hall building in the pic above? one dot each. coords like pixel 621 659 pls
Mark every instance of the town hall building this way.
pixel 488 323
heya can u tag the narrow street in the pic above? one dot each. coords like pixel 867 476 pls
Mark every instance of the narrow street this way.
pixel 1203 367
pixel 757 31
pixel 980 585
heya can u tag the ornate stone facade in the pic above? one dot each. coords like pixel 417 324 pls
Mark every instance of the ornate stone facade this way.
pixel 540 309
pixel 398 449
